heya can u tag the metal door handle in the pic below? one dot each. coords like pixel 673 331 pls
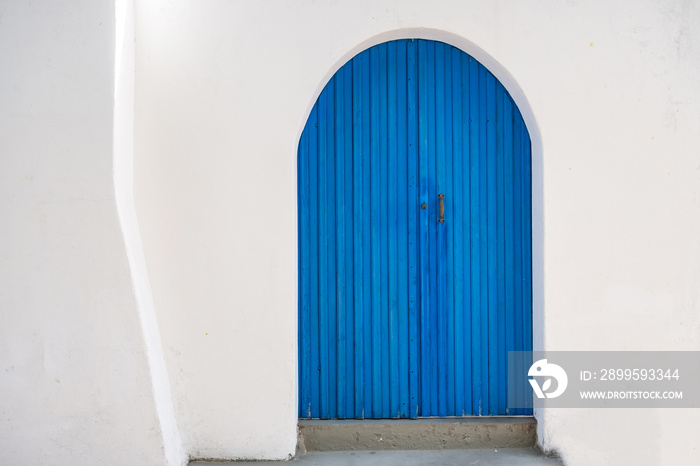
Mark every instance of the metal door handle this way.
pixel 442 207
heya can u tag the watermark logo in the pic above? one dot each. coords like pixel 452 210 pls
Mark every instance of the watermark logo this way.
pixel 548 372
pixel 603 379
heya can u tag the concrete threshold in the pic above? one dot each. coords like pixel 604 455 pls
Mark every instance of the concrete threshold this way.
pixel 417 434
pixel 479 457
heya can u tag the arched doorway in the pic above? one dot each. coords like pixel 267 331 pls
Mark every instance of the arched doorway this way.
pixel 414 238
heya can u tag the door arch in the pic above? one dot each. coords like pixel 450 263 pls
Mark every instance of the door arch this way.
pixel 401 314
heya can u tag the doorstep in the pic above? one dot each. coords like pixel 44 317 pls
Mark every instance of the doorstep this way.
pixel 417 434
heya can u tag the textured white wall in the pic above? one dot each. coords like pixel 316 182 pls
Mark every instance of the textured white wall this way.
pixel 222 93
pixel 75 386
pixel 123 137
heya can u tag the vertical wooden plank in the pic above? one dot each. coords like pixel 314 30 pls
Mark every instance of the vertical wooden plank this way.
pixel 366 233
pixel 475 170
pixel 430 187
pixel 500 250
pixel 466 258
pixel 383 128
pixel 518 246
pixel 375 213
pixel 509 310
pixel 349 252
pixel 384 308
pixel 448 234
pixel 393 409
pixel 358 273
pixel 413 232
pixel 331 268
pixel 323 254
pixel 492 252
pixel 483 243
pixel 440 240
pixel 456 176
pixel 313 258
pixel 425 341
pixel 402 110
pixel 304 276
pixel 340 254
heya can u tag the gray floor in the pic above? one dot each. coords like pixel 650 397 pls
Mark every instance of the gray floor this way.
pixel 481 457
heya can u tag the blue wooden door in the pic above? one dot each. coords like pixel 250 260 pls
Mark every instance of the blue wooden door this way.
pixel 414 238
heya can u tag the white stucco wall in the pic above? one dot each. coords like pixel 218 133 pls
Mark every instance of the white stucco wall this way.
pixel 105 317
pixel 123 156
pixel 75 384
pixel 222 93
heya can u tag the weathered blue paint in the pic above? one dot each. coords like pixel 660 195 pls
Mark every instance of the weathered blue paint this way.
pixel 400 315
